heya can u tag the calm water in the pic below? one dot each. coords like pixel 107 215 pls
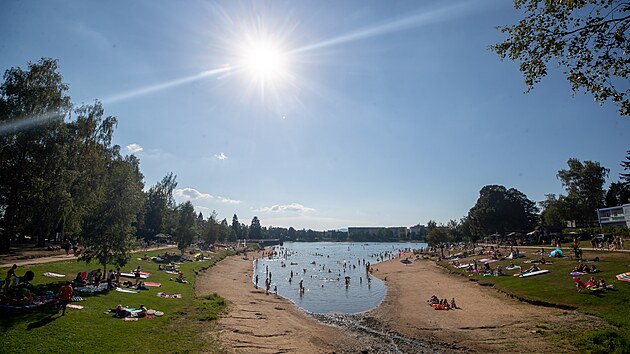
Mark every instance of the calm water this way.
pixel 321 267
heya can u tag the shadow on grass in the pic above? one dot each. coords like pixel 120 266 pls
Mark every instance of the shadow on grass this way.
pixel 41 322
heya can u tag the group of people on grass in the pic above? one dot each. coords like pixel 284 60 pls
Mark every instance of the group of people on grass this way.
pixel 584 268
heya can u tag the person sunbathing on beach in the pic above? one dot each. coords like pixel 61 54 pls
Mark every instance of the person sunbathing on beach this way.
pixel 534 268
pixel 511 265
pixel 453 304
pixel 143 311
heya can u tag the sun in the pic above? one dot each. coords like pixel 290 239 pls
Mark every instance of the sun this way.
pixel 264 60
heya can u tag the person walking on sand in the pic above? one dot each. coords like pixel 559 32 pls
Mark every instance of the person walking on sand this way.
pixel 65 295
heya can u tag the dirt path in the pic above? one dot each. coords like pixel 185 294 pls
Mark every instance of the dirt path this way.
pixel 60 257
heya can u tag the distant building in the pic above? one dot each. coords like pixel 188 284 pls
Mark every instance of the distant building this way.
pixel 614 216
pixel 417 232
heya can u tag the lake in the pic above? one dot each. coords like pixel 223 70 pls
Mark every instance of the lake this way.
pixel 323 267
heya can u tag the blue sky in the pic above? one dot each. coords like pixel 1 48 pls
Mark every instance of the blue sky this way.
pixel 375 113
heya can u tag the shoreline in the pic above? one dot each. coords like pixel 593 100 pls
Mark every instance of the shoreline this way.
pixel 403 321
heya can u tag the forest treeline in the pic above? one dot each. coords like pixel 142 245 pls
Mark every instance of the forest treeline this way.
pixel 62 178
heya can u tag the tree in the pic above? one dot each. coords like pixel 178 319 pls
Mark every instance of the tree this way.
pixel 160 207
pixel 584 183
pixel 236 228
pixel 255 231
pixel 439 235
pixel 617 194
pixel 499 210
pixel 589 39
pixel 625 177
pixel 33 104
pixel 211 229
pixel 108 233
pixel 186 230
pixel 89 149
pixel 553 214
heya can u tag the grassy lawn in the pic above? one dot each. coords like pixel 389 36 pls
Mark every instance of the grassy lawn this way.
pixel 558 289
pixel 89 330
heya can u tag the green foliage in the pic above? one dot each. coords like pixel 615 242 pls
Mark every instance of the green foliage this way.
pixel 186 231
pixel 604 342
pixel 439 235
pixel 210 307
pixel 589 39
pixel 108 232
pixel 625 177
pixel 159 216
pixel 499 210
pixel 255 231
pixel 618 193
pixel 584 183
pixel 33 104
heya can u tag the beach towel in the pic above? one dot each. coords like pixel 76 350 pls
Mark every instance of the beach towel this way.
pixel 625 277
pixel 91 288
pixel 169 296
pixel 73 306
pixel 129 291
pixel 512 268
pixel 77 298
pixel 131 275
pixel 53 275
pixel 529 274
pixel 150 283
pixel 130 319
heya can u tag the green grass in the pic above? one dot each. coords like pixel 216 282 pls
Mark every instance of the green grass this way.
pixel 210 307
pixel 557 288
pixel 90 330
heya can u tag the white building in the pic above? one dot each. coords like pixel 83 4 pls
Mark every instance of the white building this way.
pixel 614 216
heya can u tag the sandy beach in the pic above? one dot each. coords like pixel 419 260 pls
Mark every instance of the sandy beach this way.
pixel 486 320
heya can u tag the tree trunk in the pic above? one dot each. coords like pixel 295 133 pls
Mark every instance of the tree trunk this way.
pixel 5 242
pixel 41 238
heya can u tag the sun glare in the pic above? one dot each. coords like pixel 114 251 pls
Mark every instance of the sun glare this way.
pixel 264 61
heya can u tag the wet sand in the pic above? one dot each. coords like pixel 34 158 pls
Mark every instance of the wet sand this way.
pixel 404 321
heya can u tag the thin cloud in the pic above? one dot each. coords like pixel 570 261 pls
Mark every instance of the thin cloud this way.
pixel 191 194
pixel 133 148
pixel 287 208
pixel 228 200
pixel 220 156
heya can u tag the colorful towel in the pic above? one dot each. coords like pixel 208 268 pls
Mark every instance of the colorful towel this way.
pixel 150 283
pixel 77 298
pixel 73 306
pixel 169 296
